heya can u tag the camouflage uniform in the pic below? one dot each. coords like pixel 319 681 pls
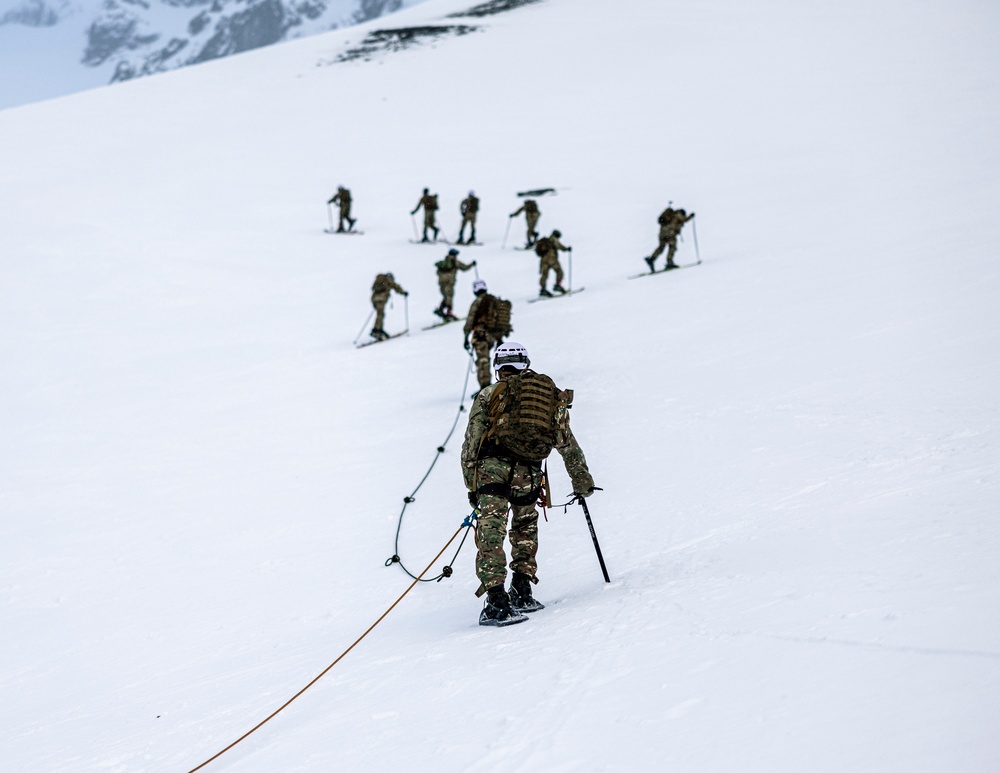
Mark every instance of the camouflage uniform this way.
pixel 469 209
pixel 550 261
pixel 482 340
pixel 384 284
pixel 343 198
pixel 531 215
pixel 671 222
pixel 503 482
pixel 430 204
pixel 447 271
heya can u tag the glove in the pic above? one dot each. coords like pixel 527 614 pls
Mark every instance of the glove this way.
pixel 475 263
pixel 406 294
pixel 583 495
pixel 473 499
pixel 468 346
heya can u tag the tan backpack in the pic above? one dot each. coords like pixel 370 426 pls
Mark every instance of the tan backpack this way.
pixel 523 414
pixel 493 316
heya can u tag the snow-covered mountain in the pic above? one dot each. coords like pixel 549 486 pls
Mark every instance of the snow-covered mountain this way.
pixel 53 47
pixel 798 440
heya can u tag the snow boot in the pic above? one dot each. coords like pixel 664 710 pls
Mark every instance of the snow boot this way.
pixel 669 266
pixel 649 262
pixel 441 313
pixel 520 594
pixel 559 289
pixel 545 293
pixel 436 231
pixel 351 221
pixel 498 610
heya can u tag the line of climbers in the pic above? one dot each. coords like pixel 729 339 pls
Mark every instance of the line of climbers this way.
pixel 516 421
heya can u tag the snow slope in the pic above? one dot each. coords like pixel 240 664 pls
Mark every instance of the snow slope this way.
pixel 798 440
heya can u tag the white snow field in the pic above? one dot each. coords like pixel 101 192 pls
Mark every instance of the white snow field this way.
pixel 798 440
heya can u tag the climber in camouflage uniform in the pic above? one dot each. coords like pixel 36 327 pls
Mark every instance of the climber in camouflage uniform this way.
pixel 671 222
pixel 469 209
pixel 343 198
pixel 447 270
pixel 429 202
pixel 384 284
pixel 483 329
pixel 531 215
pixel 549 253
pixel 498 479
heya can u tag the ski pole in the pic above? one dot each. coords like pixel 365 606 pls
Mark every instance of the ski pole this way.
pixel 505 233
pixel 329 212
pixel 571 269
pixel 694 231
pixel 593 535
pixel 363 327
pixel 406 310
pixel 413 220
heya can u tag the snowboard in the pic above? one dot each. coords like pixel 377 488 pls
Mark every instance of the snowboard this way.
pixel 334 231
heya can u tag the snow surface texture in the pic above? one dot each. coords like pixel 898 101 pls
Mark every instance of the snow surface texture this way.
pixel 798 440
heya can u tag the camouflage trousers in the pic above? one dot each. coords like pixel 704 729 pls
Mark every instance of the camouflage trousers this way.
pixel 532 219
pixel 379 300
pixel 481 345
pixel 550 262
pixel 447 284
pixel 668 238
pixel 504 485
pixel 430 221
pixel 345 215
pixel 468 219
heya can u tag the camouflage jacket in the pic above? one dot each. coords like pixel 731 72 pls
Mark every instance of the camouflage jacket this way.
pixel 342 197
pixel 555 245
pixel 470 206
pixel 529 206
pixel 383 285
pixel 428 202
pixel 566 445
pixel 449 265
pixel 472 319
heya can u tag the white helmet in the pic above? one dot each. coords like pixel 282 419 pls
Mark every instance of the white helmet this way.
pixel 478 286
pixel 511 355
pixel 472 193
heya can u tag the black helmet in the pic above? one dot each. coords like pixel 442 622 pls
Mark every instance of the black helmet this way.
pixel 557 234
pixel 453 251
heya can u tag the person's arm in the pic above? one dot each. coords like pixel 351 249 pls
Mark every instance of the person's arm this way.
pixel 474 436
pixel 572 455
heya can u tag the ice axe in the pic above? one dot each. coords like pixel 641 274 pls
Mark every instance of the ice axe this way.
pixel 593 534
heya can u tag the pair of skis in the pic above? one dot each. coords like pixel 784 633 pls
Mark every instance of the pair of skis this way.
pixel 665 270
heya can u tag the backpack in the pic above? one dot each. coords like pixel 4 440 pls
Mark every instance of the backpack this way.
pixel 667 216
pixel 382 284
pixel 493 315
pixel 523 414
pixel 445 265
pixel 542 246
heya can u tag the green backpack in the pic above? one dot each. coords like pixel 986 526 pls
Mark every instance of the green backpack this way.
pixel 523 414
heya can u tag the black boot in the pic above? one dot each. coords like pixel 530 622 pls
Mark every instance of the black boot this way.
pixel 559 289
pixel 520 594
pixel 498 610
pixel 649 262
pixel 545 293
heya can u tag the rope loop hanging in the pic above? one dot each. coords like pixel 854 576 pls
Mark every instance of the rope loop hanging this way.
pixel 408 500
